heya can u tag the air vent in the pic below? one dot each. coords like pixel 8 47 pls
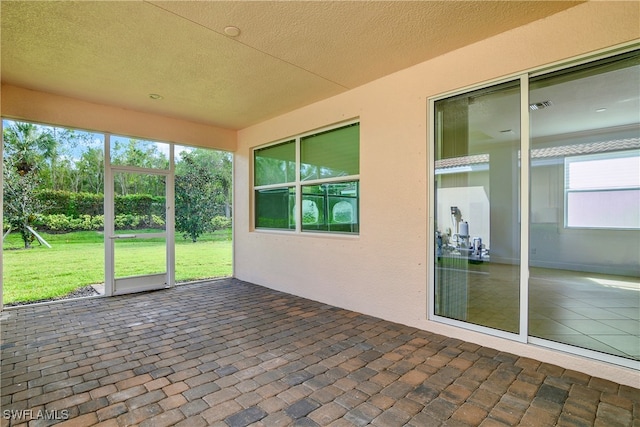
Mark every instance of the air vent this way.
pixel 540 105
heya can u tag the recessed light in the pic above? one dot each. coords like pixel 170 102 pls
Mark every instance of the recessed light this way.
pixel 155 96
pixel 601 110
pixel 232 31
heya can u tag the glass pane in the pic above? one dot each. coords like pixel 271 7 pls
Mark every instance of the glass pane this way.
pixel 203 209
pixel 477 242
pixel 275 207
pixel 139 153
pixel 584 288
pixel 53 205
pixel 139 202
pixel 330 207
pixel 608 171
pixel 140 256
pixel 331 154
pixel 604 209
pixel 275 164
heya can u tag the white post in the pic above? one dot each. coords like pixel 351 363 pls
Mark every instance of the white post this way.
pixel 108 219
pixel 1 209
pixel 170 219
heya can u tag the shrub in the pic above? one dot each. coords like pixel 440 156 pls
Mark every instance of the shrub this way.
pixel 75 223
pixel 57 202
pixel 87 204
pixel 57 222
pixel 70 203
pixel 220 223
pixel 97 222
pixel 157 221
pixel 139 204
pixel 77 204
pixel 65 223
pixel 127 221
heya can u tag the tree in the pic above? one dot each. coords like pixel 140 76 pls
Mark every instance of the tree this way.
pixel 90 167
pixel 21 206
pixel 26 148
pixel 220 165
pixel 219 168
pixel 194 195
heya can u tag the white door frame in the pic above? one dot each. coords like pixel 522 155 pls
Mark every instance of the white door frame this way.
pixel 141 283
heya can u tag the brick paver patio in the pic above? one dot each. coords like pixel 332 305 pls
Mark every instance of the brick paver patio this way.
pixel 231 353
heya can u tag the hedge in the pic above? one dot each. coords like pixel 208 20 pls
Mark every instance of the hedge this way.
pixel 67 211
pixel 76 205
pixel 60 223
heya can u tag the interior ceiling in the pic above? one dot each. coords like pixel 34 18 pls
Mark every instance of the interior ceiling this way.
pixel 288 53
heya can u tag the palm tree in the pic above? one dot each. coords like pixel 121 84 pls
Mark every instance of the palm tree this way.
pixel 27 146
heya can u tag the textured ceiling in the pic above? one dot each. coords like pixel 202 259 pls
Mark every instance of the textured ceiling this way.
pixel 288 54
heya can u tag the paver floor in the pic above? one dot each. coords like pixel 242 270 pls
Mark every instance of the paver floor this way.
pixel 230 353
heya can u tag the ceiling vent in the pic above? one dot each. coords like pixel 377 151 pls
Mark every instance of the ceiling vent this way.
pixel 540 105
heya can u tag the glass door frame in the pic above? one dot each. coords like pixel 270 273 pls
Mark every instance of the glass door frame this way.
pixel 523 201
pixel 524 210
pixel 143 282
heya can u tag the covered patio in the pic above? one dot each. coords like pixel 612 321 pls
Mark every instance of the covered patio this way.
pixel 231 353
pixel 333 328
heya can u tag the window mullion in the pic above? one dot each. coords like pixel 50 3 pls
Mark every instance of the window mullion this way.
pixel 525 156
pixel 274 186
pixel 298 200
pixel 330 180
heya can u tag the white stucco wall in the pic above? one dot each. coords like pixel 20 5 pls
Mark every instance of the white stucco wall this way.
pixel 383 271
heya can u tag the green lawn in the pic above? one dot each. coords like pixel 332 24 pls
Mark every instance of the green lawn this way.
pixel 77 259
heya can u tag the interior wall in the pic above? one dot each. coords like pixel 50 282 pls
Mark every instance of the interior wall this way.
pixel 23 104
pixel 607 251
pixel 383 271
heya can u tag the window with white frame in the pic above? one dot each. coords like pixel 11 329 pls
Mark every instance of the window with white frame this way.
pixel 321 169
pixel 603 190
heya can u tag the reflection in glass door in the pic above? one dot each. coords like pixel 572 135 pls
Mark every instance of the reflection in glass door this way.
pixel 584 289
pixel 564 256
pixel 477 229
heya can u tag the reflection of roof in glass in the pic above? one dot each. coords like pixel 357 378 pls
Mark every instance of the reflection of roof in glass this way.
pixel 462 161
pixel 586 148
pixel 541 153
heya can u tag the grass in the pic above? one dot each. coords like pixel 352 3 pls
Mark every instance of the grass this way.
pixel 76 260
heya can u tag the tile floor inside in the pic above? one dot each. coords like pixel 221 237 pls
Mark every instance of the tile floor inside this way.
pixel 593 311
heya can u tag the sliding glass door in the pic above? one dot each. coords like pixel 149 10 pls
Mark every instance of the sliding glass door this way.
pixel 585 207
pixel 536 209
pixel 476 207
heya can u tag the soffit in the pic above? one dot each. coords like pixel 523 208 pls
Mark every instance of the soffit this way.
pixel 288 54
